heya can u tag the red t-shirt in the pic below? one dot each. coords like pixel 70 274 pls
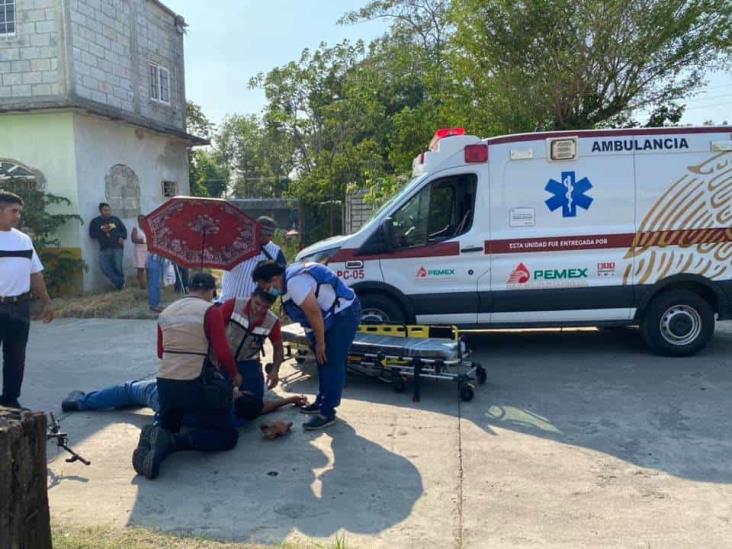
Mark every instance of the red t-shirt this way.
pixel 215 328
pixel 275 335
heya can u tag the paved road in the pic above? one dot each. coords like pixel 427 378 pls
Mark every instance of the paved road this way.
pixel 578 439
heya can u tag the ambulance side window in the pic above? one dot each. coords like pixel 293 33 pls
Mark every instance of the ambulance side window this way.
pixel 441 211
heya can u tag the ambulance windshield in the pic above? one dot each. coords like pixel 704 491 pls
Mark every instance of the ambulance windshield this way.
pixel 406 189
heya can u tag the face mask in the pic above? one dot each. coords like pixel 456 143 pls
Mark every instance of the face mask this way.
pixel 276 292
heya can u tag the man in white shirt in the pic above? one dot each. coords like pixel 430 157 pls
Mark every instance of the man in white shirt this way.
pixel 238 282
pixel 20 275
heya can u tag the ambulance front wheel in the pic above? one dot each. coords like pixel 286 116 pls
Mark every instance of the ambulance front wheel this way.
pixel 678 323
pixel 378 309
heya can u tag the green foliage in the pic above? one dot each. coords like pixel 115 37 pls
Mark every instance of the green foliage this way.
pixel 354 115
pixel 567 64
pixel 196 122
pixel 207 172
pixel 60 265
pixel 255 155
pixel 208 175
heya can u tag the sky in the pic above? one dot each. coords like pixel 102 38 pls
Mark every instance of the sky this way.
pixel 226 46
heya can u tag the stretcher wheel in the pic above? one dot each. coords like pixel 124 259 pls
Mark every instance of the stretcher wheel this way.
pixel 399 384
pixel 268 367
pixel 300 359
pixel 466 392
pixel 481 375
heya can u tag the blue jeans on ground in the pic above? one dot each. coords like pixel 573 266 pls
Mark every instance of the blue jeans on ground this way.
pixel 252 377
pixel 142 392
pixel 110 260
pixel 154 279
pixel 332 374
pixel 214 429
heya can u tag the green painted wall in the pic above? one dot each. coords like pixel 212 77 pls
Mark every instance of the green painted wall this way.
pixel 45 142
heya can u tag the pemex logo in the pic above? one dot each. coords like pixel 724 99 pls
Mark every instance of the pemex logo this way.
pixel 520 275
pixel 422 273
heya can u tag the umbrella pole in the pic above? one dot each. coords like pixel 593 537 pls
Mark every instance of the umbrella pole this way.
pixel 203 247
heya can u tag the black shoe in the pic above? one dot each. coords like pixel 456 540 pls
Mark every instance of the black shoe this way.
pixel 318 422
pixel 71 402
pixel 313 408
pixel 12 403
pixel 145 434
pixel 154 446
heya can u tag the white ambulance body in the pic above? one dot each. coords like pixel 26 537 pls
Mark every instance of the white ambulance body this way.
pixel 602 227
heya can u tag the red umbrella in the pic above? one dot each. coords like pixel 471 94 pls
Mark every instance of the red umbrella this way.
pixel 201 232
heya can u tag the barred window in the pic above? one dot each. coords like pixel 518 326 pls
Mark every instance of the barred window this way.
pixel 7 17
pixel 159 83
pixel 170 189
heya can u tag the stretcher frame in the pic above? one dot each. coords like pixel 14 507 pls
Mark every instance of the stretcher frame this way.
pixel 395 367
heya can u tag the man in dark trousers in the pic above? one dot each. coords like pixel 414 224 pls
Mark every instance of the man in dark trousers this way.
pixel 188 382
pixel 20 275
pixel 111 234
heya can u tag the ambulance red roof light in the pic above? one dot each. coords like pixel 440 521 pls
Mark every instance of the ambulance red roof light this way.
pixel 449 132
pixel 476 153
pixel 444 132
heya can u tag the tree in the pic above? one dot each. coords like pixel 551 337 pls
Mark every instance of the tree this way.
pixel 196 122
pixel 60 265
pixel 208 175
pixel 255 157
pixel 566 64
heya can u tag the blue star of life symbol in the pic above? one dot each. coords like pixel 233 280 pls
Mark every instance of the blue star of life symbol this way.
pixel 569 194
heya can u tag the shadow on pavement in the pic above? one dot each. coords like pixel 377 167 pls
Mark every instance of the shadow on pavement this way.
pixel 604 391
pixel 597 389
pixel 266 491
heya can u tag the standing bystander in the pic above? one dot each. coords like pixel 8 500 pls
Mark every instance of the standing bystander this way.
pixel 140 252
pixel 20 275
pixel 238 282
pixel 111 234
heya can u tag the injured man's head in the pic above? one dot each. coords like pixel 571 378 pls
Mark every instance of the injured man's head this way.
pixel 247 406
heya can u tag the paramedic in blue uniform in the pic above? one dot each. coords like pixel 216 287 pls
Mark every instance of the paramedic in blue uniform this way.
pixel 20 275
pixel 330 313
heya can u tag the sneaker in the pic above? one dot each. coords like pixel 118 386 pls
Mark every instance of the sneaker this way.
pixel 157 309
pixel 318 422
pixel 310 409
pixel 71 402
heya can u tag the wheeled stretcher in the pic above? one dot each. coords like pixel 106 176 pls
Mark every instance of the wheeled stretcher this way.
pixel 397 353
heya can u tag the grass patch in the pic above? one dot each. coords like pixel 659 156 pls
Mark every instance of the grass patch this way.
pixel 140 538
pixel 128 303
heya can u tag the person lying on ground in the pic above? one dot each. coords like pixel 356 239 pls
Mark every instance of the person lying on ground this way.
pixel 144 393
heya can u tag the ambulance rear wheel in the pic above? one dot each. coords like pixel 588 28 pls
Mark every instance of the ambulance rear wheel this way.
pixel 378 309
pixel 678 323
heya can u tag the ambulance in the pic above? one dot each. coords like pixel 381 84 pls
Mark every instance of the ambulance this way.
pixel 582 228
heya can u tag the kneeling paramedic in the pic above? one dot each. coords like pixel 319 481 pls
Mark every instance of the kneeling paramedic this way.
pixel 188 382
pixel 330 313
pixel 249 322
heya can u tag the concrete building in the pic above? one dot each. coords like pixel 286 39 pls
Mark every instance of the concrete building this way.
pixel 92 108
